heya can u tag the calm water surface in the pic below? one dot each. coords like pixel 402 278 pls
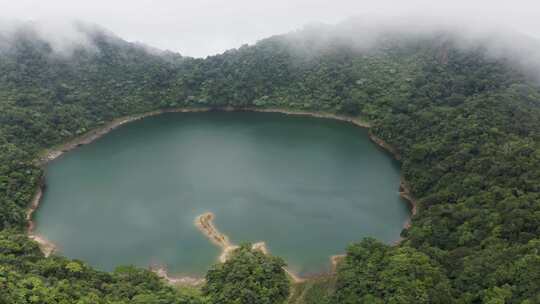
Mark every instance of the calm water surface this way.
pixel 306 186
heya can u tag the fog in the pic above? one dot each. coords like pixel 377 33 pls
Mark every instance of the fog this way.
pixel 205 27
pixel 209 27
pixel 497 40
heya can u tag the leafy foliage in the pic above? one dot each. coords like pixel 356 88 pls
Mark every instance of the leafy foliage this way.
pixel 466 125
pixel 375 273
pixel 28 277
pixel 249 276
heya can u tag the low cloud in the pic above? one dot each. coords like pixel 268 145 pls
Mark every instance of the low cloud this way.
pixel 362 32
pixel 63 37
pixel 365 32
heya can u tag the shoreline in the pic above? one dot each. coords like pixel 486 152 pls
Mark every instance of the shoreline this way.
pixel 205 224
pixel 404 189
pixel 334 261
pixel 53 153
pixel 47 247
pixel 176 280
pixel 405 194
pixel 355 121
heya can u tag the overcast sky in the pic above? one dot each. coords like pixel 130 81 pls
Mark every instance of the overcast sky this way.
pixel 205 27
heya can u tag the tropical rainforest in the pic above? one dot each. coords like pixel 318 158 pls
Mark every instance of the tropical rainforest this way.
pixel 465 126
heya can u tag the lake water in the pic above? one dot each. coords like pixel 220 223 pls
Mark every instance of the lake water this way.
pixel 306 186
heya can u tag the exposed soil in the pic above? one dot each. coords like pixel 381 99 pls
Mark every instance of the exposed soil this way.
pixel 206 225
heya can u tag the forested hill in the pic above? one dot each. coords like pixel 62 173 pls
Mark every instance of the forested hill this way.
pixel 466 124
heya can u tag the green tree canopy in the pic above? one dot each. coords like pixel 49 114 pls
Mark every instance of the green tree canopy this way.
pixel 376 273
pixel 249 276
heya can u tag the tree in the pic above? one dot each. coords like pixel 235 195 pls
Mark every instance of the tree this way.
pixel 249 276
pixel 376 273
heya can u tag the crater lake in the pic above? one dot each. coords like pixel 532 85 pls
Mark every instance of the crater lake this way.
pixel 306 186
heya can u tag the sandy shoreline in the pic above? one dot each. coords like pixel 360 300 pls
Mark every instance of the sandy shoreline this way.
pixel 180 280
pixel 335 259
pixel 355 121
pixel 89 137
pixel 205 224
pixel 404 190
pixel 405 194
pixel 47 247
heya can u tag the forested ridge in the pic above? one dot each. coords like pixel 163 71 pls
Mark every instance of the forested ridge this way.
pixel 466 125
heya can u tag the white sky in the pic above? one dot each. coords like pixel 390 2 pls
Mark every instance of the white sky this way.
pixel 205 27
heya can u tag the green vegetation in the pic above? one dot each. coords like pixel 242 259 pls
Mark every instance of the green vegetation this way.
pixel 316 290
pixel 376 273
pixel 27 277
pixel 249 276
pixel 467 127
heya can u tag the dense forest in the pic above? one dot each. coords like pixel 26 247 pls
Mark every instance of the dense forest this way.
pixel 466 126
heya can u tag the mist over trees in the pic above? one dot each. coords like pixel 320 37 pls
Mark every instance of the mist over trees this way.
pixel 465 118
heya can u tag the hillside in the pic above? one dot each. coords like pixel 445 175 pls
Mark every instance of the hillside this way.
pixel 466 126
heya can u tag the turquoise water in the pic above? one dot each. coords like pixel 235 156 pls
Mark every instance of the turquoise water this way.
pixel 306 186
